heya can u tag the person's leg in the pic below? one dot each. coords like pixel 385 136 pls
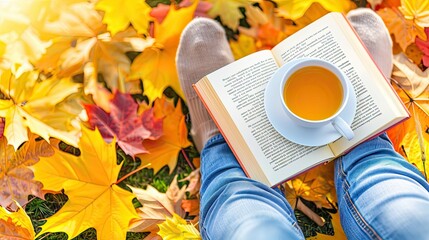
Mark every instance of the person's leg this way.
pixel 232 205
pixel 380 194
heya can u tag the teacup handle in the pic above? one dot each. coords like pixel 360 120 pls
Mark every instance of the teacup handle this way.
pixel 343 128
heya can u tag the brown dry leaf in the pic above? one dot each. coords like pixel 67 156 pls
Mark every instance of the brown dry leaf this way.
pixel 411 137
pixel 404 30
pixel 194 182
pixel 15 225
pixel 157 206
pixel 16 178
pixel 165 150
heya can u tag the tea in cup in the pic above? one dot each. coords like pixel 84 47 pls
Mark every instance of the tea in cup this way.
pixel 314 93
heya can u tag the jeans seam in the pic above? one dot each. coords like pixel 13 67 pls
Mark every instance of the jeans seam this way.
pixel 355 213
pixel 359 219
pixel 204 234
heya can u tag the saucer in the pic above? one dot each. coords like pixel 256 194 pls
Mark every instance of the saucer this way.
pixel 296 133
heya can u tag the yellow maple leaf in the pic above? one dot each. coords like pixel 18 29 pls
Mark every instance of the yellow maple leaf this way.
pixel 79 37
pixel 21 43
pixel 119 14
pixel 33 103
pixel 164 150
pixel 89 181
pixel 416 11
pixel 411 138
pixel 178 229
pixel 244 46
pixel 294 9
pixel 404 30
pixel 231 17
pixel 15 225
pixel 156 65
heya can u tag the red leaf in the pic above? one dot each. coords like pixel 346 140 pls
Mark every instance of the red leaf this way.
pixel 152 123
pixel 424 47
pixel 124 123
pixel 161 10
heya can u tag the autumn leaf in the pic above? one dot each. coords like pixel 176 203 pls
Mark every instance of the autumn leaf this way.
pixel 191 206
pixel 416 11
pixel 1 127
pixel 15 225
pixel 411 137
pixel 156 65
pixel 16 178
pixel 38 12
pixel 124 124
pixel 161 10
pixel 165 150
pixel 244 46
pixel 119 14
pixel 404 30
pixel 19 42
pixel 423 45
pixel 388 4
pixel 294 9
pixel 230 18
pixel 194 182
pixel 177 228
pixel 157 206
pixel 89 181
pixel 79 37
pixel 36 104
pixel 315 185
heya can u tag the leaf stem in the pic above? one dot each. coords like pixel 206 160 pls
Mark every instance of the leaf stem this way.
pixel 187 159
pixel 309 213
pixel 132 172
pixel 45 236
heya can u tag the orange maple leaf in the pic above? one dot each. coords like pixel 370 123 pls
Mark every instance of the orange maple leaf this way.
pixel 165 150
pixel 404 30
pixel 156 65
pixel 15 225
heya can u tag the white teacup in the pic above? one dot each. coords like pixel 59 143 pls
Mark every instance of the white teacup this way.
pixel 314 92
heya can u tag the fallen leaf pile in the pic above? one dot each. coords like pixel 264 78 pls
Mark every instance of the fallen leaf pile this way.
pixel 91 109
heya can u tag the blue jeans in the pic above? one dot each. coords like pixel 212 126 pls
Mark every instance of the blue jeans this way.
pixel 380 196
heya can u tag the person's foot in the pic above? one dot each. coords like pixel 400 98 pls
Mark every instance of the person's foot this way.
pixel 203 48
pixel 371 29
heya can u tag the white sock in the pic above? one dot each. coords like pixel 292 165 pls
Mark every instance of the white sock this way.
pixel 203 48
pixel 371 29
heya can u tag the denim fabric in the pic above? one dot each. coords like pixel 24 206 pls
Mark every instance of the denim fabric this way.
pixel 381 196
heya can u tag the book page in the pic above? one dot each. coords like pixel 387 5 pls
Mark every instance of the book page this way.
pixel 241 90
pixel 330 38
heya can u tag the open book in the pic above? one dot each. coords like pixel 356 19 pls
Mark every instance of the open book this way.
pixel 234 96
